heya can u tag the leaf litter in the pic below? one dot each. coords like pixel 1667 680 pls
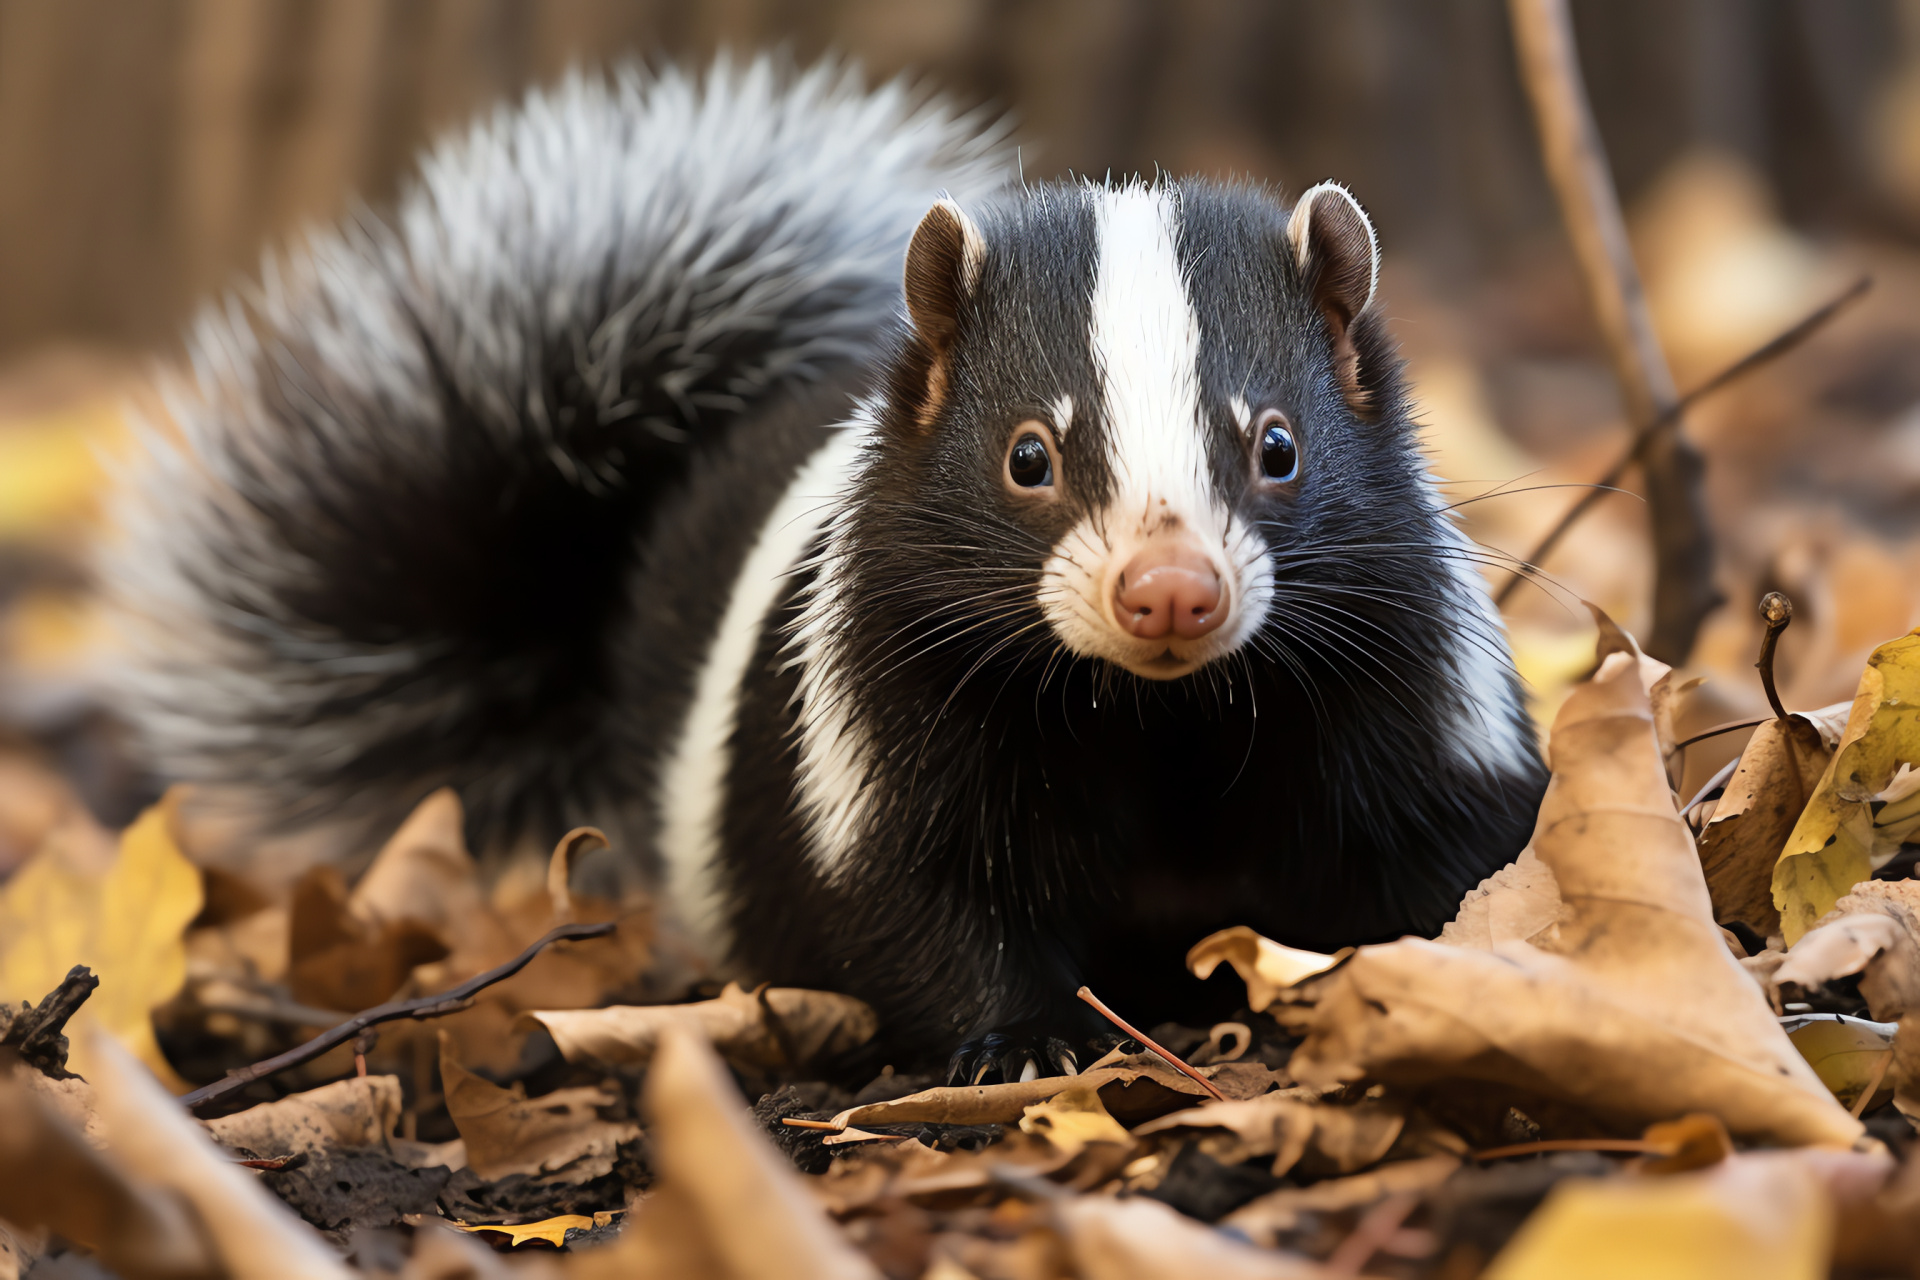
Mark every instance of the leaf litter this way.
pixel 1586 1074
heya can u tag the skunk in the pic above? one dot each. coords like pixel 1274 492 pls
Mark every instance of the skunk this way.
pixel 949 592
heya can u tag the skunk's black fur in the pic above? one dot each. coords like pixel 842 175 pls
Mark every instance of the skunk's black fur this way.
pixel 573 513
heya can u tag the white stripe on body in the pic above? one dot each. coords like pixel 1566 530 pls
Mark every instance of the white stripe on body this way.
pixel 693 784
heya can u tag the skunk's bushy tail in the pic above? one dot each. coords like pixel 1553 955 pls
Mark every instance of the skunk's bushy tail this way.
pixel 380 544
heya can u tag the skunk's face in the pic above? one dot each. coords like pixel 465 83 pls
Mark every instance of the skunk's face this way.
pixel 1125 400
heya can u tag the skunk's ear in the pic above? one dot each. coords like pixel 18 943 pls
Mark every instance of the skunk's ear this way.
pixel 943 266
pixel 1339 258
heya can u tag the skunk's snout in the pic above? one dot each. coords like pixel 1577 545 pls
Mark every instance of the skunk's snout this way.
pixel 1169 587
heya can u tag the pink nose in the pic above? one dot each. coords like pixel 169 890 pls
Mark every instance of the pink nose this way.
pixel 1169 587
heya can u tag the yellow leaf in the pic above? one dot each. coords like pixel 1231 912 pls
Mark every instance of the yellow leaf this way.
pixel 1750 1218
pixel 125 920
pixel 50 473
pixel 552 1230
pixel 1832 845
pixel 1073 1118
pixel 1847 1054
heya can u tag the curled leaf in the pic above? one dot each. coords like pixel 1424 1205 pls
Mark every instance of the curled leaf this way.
pixel 1263 964
pixel 770 1028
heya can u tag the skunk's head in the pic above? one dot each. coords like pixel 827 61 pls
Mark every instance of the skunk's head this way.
pixel 1126 418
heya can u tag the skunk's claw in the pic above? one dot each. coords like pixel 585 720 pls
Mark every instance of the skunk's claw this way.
pixel 1001 1057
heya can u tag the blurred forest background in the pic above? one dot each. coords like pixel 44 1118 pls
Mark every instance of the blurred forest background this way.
pixel 1768 152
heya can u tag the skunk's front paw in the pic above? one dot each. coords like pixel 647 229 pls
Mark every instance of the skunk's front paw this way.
pixel 1025 1051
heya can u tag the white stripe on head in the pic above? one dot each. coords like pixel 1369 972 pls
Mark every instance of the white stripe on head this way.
pixel 1146 346
pixel 693 786
pixel 1145 341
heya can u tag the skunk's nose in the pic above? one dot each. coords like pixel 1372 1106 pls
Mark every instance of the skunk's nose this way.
pixel 1169 587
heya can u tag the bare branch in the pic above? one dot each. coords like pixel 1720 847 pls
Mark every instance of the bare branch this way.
pixel 1577 167
pixel 435 1006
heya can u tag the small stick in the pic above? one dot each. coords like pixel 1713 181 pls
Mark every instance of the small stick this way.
pixel 451 1001
pixel 1873 1085
pixel 1777 346
pixel 1778 611
pixel 827 1126
pixel 362 1046
pixel 1142 1037
pixel 1380 1224
pixel 1730 726
pixel 1621 1146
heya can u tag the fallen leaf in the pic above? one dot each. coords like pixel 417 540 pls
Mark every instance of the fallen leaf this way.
pixel 360 1112
pixel 551 1230
pixel 1776 774
pixel 1640 1012
pixel 1322 1139
pixel 770 1028
pixel 1750 1218
pixel 1839 838
pixel 1138 1238
pixel 727 1205
pixel 123 914
pixel 1136 1088
pixel 1263 964
pixel 1265 1219
pixel 1073 1118
pixel 507 1132
pixel 155 1141
pixel 1873 931
pixel 51 1178
pixel 1518 903
pixel 1848 1054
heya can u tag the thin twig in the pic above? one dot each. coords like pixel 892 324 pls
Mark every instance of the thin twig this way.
pixel 1379 1225
pixel 435 1006
pixel 1590 207
pixel 1778 611
pixel 794 1122
pixel 1142 1037
pixel 1729 727
pixel 1859 1106
pixel 1777 346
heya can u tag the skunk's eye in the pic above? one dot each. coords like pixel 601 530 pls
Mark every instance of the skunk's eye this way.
pixel 1279 456
pixel 1029 465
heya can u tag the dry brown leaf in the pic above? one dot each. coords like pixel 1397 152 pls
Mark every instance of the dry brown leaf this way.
pixel 52 1178
pixel 1263 964
pixel 1141 1239
pixel 1639 1014
pixel 1266 1219
pixel 123 914
pixel 1873 931
pixel 442 1251
pixel 156 1142
pixel 337 960
pixel 1136 1088
pixel 727 1205
pixel 1073 1118
pixel 1751 821
pixel 769 1028
pixel 507 1132
pixel 1295 1130
pixel 360 1112
pixel 1518 903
